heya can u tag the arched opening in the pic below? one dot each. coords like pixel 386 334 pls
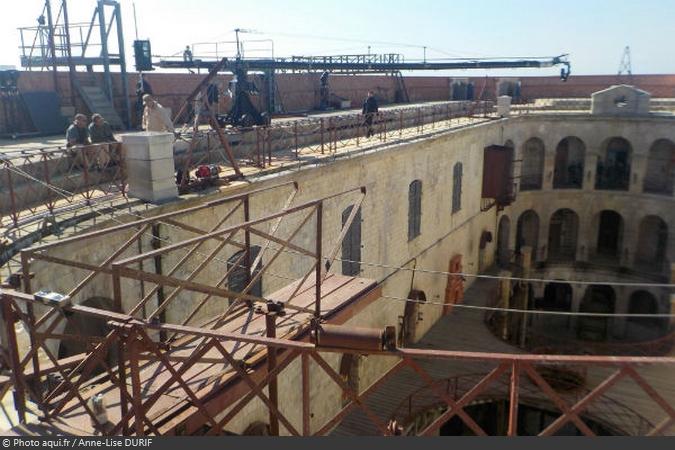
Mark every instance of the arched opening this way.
pixel 562 235
pixel 644 328
pixel 457 187
pixel 414 209
pixel 351 244
pixel 527 232
pixel 82 331
pixel 349 371
pixel 569 164
pixel 610 234
pixel 557 297
pixel 239 277
pixel 410 318
pixel 652 244
pixel 660 174
pixel 598 299
pixel 613 169
pixel 503 253
pixel 532 172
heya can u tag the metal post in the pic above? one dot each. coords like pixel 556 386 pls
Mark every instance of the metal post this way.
pixel 69 53
pixel 9 340
pixel 156 245
pixel 104 50
pixel 121 372
pixel 247 239
pixel 319 262
pixel 306 425
pixel 295 137
pixel 25 269
pixel 52 44
pixel 134 373
pixel 123 63
pixel 269 145
pixel 322 137
pixel 513 399
pixel 273 387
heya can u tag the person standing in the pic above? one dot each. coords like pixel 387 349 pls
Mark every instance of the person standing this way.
pixel 155 116
pixel 369 110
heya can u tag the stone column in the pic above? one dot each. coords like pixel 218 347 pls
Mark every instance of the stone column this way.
pixel 150 166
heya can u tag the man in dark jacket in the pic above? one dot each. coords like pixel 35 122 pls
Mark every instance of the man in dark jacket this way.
pixel 369 110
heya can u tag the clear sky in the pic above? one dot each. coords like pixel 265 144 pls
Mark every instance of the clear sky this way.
pixel 593 32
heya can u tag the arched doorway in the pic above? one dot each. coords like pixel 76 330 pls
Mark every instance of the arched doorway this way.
pixel 659 177
pixel 532 172
pixel 527 232
pixel 410 318
pixel 238 279
pixel 503 254
pixel 562 235
pixel 599 299
pixel 613 169
pixel 351 244
pixel 644 328
pixel 81 329
pixel 557 297
pixel 650 253
pixel 610 234
pixel 569 164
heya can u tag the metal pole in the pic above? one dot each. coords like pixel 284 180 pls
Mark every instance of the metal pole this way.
pixel 156 245
pixel 52 44
pixel 123 61
pixel 104 51
pixel 273 387
pixel 306 425
pixel 9 340
pixel 69 53
pixel 513 399
pixel 317 287
pixel 322 137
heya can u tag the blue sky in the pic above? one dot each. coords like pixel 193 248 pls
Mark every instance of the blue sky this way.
pixel 593 32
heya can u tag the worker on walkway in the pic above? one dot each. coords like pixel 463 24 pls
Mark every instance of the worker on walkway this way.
pixel 100 132
pixel 77 133
pixel 369 110
pixel 155 116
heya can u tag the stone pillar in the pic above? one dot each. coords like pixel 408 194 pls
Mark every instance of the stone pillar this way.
pixel 505 299
pixel 526 258
pixel 503 106
pixel 150 166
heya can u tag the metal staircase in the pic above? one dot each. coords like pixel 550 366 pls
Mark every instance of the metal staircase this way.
pixel 97 102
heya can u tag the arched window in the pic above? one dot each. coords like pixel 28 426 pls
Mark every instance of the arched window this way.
pixel 610 234
pixel 238 278
pixel 569 164
pixel 660 168
pixel 503 253
pixel 598 299
pixel 562 235
pixel 351 245
pixel 414 209
pixel 613 170
pixel 652 243
pixel 644 328
pixel 527 232
pixel 457 187
pixel 532 172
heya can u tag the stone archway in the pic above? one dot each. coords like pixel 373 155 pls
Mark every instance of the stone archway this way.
pixel 569 164
pixel 614 166
pixel 562 235
pixel 527 232
pixel 503 256
pixel 599 299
